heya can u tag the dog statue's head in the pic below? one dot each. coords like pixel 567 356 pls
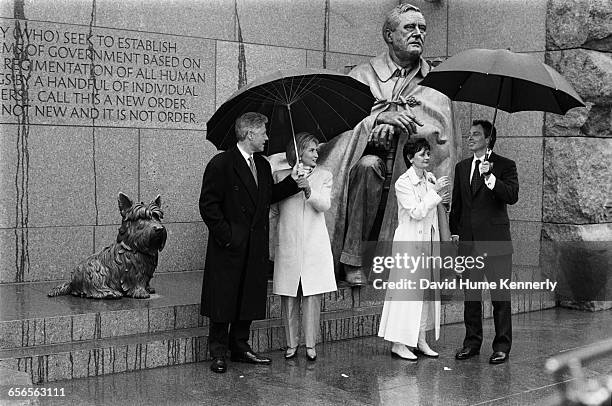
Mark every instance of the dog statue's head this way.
pixel 141 228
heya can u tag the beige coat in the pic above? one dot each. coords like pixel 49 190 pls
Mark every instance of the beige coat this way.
pixel 302 246
pixel 417 233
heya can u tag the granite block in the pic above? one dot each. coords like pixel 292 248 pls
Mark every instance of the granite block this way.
pixel 44 248
pixel 62 11
pixel 257 60
pixel 161 319
pixel 497 24
pixel 282 22
pixel 572 195
pixel 187 316
pixel 337 61
pixel 57 330
pixel 146 80
pixel 210 19
pixel 273 307
pixel 116 168
pixel 61 181
pixel 452 312
pixel 463 118
pixel 526 242
pixel 83 327
pixel 156 354
pixel 342 299
pixel 573 24
pixel 124 322
pixel 10 172
pixel 185 248
pixel 355 27
pixel 54 367
pixel 527 153
pixel 171 165
pixel 11 334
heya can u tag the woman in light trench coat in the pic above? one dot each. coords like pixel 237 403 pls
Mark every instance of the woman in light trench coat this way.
pixel 303 263
pixel 409 313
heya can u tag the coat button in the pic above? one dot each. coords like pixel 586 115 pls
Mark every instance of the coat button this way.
pixel 236 188
pixel 243 208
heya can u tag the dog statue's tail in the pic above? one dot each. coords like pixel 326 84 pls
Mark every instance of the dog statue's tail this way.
pixel 60 290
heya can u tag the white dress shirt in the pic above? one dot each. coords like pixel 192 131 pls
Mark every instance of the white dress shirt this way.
pixel 490 182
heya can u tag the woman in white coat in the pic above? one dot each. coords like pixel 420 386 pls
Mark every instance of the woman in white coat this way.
pixel 303 263
pixel 407 315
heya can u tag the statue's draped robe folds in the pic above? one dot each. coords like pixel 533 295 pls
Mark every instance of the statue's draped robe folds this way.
pixel 341 153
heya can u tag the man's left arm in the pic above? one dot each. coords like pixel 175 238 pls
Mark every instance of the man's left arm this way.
pixel 283 189
pixel 506 186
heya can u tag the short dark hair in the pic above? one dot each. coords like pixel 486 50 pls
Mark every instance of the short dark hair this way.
pixel 489 131
pixel 411 147
pixel 301 140
pixel 248 121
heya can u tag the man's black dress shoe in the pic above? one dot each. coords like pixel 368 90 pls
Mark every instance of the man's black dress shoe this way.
pixel 251 358
pixel 499 357
pixel 218 365
pixel 466 352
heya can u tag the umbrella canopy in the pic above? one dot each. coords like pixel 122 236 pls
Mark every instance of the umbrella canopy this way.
pixel 323 102
pixel 505 80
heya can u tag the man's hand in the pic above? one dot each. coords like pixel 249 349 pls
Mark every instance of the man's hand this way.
pixel 402 120
pixel 485 168
pixel 455 238
pixel 381 135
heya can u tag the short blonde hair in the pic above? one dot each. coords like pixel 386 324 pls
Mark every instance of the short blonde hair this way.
pixel 301 140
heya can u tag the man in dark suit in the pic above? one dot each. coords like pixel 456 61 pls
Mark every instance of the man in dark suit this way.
pixel 237 190
pixel 484 185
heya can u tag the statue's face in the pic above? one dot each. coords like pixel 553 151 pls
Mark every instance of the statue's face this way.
pixel 408 39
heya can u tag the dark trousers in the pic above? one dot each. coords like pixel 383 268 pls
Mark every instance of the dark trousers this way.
pixel 233 336
pixel 496 268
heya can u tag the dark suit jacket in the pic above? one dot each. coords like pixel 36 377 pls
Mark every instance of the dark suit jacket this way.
pixel 482 217
pixel 236 212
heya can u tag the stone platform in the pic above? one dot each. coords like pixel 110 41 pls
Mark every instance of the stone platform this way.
pixel 67 337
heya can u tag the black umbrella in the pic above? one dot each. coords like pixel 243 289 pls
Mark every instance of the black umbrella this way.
pixel 322 102
pixel 505 80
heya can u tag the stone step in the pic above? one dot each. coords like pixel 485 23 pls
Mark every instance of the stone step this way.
pixel 67 337
pixel 54 362
pixel 30 318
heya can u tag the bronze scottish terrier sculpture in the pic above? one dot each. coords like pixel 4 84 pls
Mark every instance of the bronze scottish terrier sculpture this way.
pixel 125 267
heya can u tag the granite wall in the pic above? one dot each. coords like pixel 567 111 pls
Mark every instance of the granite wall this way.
pixel 121 91
pixel 577 177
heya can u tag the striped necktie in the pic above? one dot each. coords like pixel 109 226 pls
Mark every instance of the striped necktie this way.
pixel 253 168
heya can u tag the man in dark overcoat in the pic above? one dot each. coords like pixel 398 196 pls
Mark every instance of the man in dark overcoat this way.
pixel 485 184
pixel 237 190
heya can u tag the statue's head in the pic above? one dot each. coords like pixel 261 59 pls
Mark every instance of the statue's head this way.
pixel 404 32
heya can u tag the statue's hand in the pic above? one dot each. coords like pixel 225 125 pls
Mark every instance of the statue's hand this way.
pixel 381 135
pixel 403 120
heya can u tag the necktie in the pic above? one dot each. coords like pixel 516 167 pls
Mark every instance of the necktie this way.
pixel 253 168
pixel 475 177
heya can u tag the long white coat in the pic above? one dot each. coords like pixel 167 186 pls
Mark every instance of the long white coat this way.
pixel 418 222
pixel 302 245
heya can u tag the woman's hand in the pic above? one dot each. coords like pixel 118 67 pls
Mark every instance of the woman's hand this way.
pixel 304 185
pixel 442 183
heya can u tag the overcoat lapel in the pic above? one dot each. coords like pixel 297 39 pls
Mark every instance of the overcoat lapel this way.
pixel 245 175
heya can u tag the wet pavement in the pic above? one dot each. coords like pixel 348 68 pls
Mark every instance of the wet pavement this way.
pixel 361 372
